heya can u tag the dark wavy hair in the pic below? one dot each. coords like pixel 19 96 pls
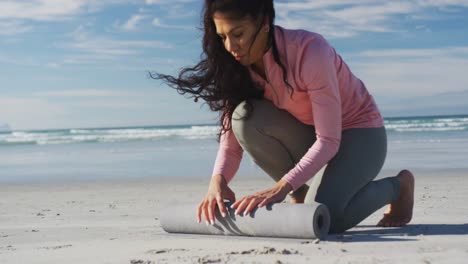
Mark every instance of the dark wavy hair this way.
pixel 218 78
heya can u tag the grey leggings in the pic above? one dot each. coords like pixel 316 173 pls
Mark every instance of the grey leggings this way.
pixel 276 141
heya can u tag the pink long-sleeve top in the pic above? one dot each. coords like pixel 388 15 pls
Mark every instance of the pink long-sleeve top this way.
pixel 326 95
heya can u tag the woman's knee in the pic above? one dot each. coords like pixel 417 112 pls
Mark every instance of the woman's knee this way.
pixel 247 110
pixel 245 117
pixel 240 112
pixel 239 117
pixel 250 120
pixel 239 122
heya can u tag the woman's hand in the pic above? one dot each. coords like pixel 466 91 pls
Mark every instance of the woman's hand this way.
pixel 277 193
pixel 218 190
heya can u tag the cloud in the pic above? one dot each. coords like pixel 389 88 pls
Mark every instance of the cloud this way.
pixel 443 3
pixel 113 104
pixel 18 17
pixel 107 46
pixel 10 59
pixel 339 18
pixel 133 22
pixel 175 9
pixel 52 10
pixel 43 10
pixel 438 104
pixel 400 73
pixel 375 14
pixel 85 93
pixel 13 27
pixel 412 53
pixel 53 65
pixel 89 59
pixel 345 18
pixel 167 2
pixel 157 23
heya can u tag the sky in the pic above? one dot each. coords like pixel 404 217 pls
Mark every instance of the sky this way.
pixel 85 63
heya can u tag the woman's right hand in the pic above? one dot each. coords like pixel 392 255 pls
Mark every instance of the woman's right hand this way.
pixel 218 191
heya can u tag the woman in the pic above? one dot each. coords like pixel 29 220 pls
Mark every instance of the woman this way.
pixel 289 100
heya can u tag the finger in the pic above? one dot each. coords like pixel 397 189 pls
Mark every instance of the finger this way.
pixel 242 206
pixel 205 211
pixel 236 203
pixel 253 203
pixel 264 202
pixel 199 212
pixel 221 206
pixel 211 210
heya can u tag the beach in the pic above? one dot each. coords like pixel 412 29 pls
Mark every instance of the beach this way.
pixel 96 196
pixel 116 114
pixel 118 222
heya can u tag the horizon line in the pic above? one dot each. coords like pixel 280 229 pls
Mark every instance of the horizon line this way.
pixel 208 124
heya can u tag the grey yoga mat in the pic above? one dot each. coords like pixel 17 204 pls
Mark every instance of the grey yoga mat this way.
pixel 306 221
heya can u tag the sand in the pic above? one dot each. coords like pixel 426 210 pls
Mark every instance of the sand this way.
pixel 118 222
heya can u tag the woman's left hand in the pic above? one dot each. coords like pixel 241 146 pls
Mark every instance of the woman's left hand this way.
pixel 277 193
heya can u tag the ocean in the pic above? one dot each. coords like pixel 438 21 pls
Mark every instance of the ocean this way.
pixel 424 143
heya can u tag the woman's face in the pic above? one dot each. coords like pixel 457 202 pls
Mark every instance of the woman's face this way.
pixel 237 36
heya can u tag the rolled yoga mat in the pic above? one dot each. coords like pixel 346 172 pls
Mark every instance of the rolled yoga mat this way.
pixel 305 221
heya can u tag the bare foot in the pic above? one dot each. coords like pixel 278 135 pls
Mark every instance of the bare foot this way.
pixel 400 211
pixel 299 198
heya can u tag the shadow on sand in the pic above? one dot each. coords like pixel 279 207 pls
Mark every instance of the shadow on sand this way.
pixel 407 233
pixel 361 233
